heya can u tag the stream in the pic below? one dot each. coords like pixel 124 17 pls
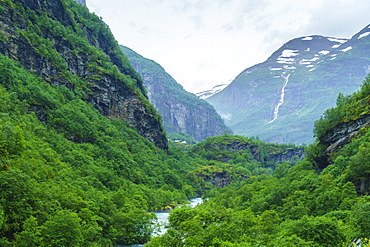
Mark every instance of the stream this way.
pixel 163 220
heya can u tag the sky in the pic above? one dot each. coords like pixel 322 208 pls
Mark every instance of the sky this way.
pixel 203 43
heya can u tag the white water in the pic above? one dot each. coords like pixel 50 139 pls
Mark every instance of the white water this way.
pixel 282 96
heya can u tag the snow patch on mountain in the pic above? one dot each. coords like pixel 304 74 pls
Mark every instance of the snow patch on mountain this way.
pixel 285 60
pixel 307 38
pixel 289 67
pixel 338 40
pixel 346 49
pixel 363 35
pixel 310 60
pixel 289 53
pixel 216 89
pixel 323 52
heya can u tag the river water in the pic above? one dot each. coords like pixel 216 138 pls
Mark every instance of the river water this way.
pixel 163 221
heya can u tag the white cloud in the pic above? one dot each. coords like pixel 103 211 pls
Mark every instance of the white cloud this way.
pixel 226 116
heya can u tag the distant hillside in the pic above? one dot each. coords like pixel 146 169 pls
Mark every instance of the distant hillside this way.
pixel 181 111
pixel 279 99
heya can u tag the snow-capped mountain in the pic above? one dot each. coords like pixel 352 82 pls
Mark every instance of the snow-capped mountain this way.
pixel 213 91
pixel 279 99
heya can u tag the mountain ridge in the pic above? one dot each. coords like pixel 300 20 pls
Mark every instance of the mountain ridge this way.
pixel 260 102
pixel 182 112
pixel 216 89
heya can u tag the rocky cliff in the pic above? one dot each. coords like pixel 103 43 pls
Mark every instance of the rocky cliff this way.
pixel 278 100
pixel 63 43
pixel 339 136
pixel 240 157
pixel 258 153
pixel 181 111
pixel 217 179
pixel 227 148
pixel 342 139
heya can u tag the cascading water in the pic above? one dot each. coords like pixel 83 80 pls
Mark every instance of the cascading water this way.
pixel 281 101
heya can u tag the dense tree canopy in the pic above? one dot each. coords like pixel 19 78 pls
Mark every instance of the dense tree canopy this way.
pixel 293 206
pixel 72 177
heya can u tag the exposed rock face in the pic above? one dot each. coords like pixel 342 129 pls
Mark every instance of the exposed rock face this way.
pixel 340 133
pixel 286 155
pixel 181 111
pixel 338 136
pixel 235 145
pixel 217 179
pixel 111 95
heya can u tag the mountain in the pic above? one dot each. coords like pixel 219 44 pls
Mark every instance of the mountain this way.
pixel 181 111
pixel 213 91
pixel 83 155
pixel 78 50
pixel 73 174
pixel 279 99
pixel 304 205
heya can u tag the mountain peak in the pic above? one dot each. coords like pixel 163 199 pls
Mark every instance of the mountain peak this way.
pixel 305 52
pixel 363 33
pixel 279 99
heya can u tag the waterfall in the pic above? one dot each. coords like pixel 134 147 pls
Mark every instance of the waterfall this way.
pixel 281 101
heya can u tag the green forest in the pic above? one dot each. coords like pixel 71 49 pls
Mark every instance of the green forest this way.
pixel 70 176
pixel 296 205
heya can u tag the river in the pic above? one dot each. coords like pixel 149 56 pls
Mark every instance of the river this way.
pixel 163 221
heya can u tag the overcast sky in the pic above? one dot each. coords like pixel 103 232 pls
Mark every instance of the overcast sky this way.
pixel 202 43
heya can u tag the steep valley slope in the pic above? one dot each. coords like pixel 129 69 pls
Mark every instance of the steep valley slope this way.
pixel 181 111
pixel 78 50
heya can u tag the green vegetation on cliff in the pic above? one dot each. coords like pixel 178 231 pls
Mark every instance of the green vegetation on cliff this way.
pixel 66 45
pixel 344 139
pixel 76 177
pixel 295 206
pixel 72 174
